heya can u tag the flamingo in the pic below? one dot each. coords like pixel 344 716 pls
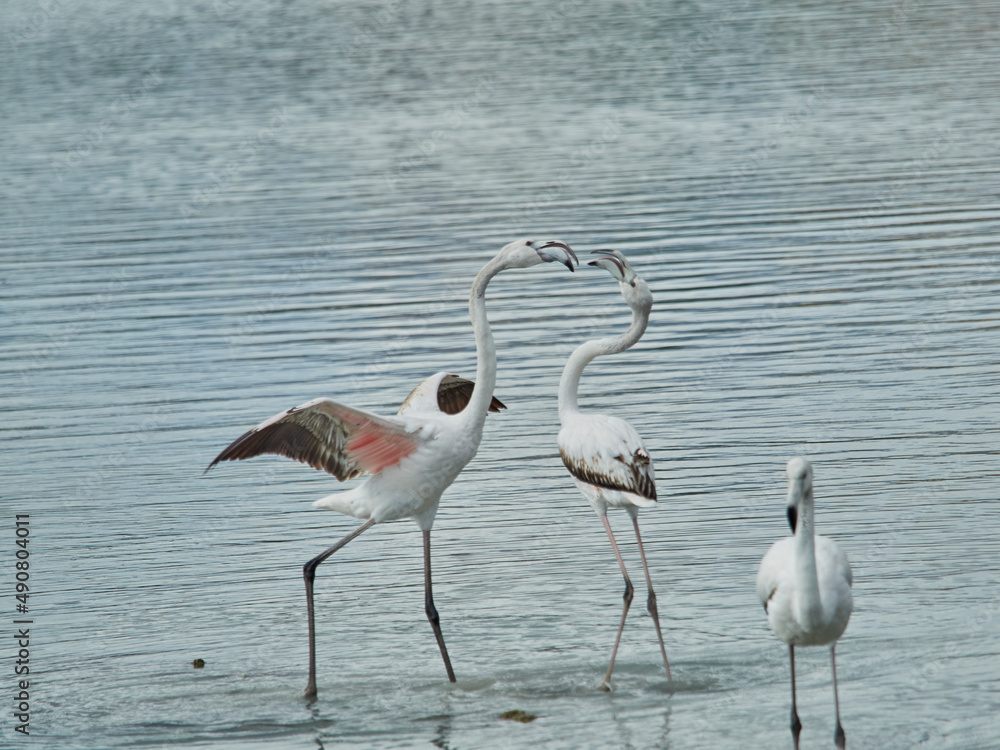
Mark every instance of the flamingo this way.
pixel 412 457
pixel 604 454
pixel 804 583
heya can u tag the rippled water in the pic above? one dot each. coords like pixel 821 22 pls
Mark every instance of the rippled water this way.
pixel 214 211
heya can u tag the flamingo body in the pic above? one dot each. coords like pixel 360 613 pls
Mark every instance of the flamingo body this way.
pixel 804 583
pixel 788 614
pixel 436 449
pixel 608 461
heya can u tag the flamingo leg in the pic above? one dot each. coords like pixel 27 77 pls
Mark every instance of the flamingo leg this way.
pixel 627 599
pixel 796 724
pixel 309 573
pixel 839 738
pixel 651 601
pixel 432 613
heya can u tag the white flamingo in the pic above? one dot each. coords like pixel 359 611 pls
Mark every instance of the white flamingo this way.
pixel 804 583
pixel 605 455
pixel 413 456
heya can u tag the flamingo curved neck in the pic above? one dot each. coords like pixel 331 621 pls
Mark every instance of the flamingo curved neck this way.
pixel 587 351
pixel 486 352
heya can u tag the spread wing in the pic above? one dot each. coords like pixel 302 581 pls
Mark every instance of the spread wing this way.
pixel 443 392
pixel 607 452
pixel 338 439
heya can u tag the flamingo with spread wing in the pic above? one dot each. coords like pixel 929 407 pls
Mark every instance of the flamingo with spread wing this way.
pixel 411 457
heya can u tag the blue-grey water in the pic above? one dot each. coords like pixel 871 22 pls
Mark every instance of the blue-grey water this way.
pixel 213 211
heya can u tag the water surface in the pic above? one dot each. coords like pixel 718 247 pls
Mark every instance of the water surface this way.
pixel 213 212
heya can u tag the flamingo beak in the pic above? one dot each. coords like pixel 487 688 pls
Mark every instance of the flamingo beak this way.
pixel 567 257
pixel 793 517
pixel 616 264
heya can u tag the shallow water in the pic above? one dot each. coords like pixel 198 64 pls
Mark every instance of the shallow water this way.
pixel 213 212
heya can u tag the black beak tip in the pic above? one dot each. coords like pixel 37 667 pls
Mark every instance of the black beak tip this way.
pixel 571 261
pixel 793 517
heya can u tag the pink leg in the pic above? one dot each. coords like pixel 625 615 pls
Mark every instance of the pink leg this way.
pixel 629 591
pixel 651 601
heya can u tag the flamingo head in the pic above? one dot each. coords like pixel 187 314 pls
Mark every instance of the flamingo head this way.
pixel 800 476
pixel 527 253
pixel 633 288
pixel 616 264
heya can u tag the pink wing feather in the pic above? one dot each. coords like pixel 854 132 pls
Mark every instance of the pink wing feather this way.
pixel 374 448
pixel 335 438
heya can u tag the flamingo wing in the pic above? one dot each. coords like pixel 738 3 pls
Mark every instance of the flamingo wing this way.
pixel 773 570
pixel 454 394
pixel 445 393
pixel 335 438
pixel 607 452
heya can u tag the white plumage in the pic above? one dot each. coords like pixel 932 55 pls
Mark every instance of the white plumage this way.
pixel 418 463
pixel 411 457
pixel 604 454
pixel 804 583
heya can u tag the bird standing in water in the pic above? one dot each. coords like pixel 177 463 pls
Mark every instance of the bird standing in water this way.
pixel 804 583
pixel 605 455
pixel 413 456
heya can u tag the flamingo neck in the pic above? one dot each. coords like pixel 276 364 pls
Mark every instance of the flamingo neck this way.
pixel 486 352
pixel 587 351
pixel 810 605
